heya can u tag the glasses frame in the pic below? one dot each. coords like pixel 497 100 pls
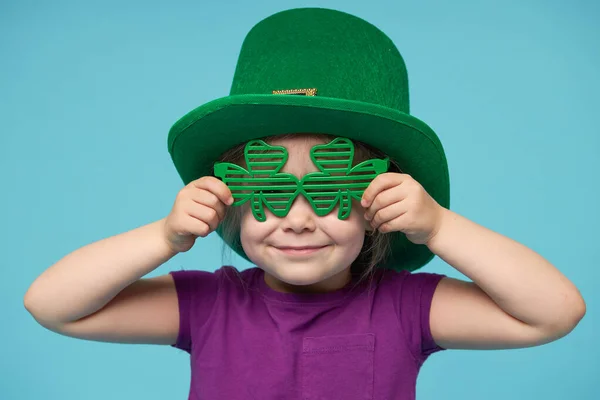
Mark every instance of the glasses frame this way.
pixel 336 182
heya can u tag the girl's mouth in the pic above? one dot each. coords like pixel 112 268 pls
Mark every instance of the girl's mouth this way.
pixel 300 250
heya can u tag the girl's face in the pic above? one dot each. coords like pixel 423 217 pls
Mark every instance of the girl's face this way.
pixel 330 244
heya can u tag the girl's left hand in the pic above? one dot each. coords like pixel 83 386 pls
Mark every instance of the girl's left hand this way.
pixel 396 202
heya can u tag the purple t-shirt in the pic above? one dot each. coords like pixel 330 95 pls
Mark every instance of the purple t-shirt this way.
pixel 248 341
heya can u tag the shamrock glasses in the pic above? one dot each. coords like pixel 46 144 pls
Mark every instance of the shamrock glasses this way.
pixel 336 182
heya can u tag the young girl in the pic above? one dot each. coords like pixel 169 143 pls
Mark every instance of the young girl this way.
pixel 333 308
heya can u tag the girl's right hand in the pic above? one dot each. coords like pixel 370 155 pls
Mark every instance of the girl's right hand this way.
pixel 199 208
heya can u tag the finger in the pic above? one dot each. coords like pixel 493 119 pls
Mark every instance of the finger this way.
pixel 205 214
pixel 209 199
pixel 393 225
pixel 215 186
pixel 200 228
pixel 388 214
pixel 383 199
pixel 379 184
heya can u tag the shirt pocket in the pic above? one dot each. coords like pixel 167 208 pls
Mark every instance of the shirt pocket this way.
pixel 338 367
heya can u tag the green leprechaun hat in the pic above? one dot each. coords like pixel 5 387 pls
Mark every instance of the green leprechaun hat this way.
pixel 322 71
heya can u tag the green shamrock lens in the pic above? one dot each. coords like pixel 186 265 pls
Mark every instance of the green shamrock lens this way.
pixel 336 182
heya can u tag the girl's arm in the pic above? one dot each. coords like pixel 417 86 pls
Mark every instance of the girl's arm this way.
pixel 105 275
pixel 517 298
pixel 97 293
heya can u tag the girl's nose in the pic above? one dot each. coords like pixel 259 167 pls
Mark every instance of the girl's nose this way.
pixel 301 216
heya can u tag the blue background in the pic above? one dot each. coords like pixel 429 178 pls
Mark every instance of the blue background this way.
pixel 89 90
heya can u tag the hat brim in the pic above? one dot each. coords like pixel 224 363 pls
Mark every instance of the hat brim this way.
pixel 197 140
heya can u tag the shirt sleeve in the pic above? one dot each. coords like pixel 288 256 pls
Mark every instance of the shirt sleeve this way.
pixel 416 294
pixel 196 295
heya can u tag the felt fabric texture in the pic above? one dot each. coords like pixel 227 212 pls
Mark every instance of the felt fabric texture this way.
pixel 362 94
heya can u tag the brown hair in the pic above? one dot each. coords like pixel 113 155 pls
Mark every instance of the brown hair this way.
pixel 376 245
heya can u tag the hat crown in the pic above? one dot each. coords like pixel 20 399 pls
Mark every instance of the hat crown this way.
pixel 338 54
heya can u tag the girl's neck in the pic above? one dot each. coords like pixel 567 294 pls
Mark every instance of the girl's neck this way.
pixel 331 284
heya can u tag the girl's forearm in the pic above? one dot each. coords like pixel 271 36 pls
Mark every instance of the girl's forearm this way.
pixel 85 280
pixel 520 281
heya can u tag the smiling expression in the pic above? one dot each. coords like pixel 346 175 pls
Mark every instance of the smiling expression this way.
pixel 303 252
